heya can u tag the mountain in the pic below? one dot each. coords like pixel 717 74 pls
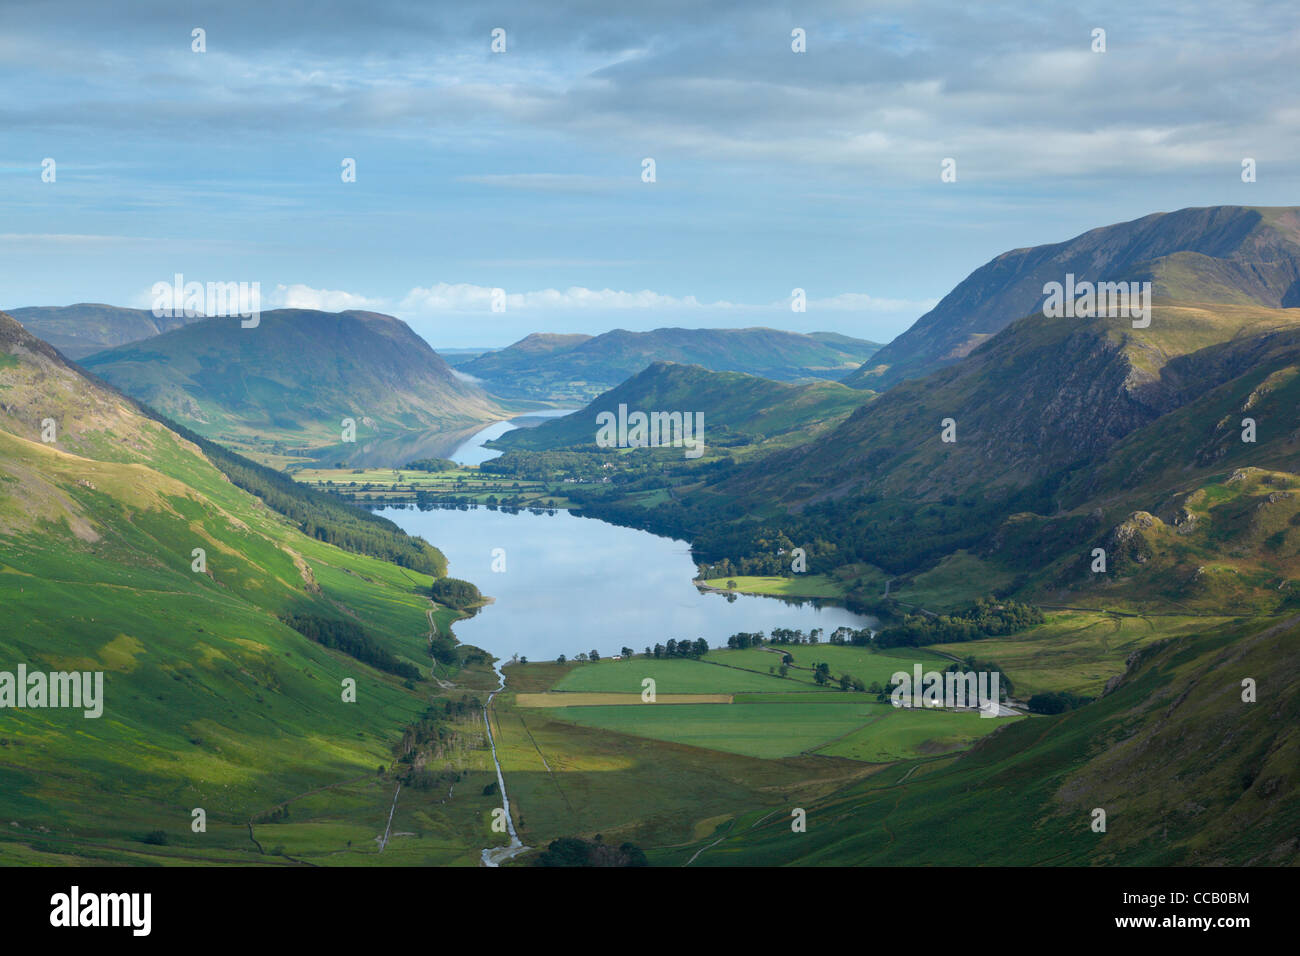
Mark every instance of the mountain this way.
pixel 579 367
pixel 1174 448
pixel 209 699
pixel 88 327
pixel 1069 434
pixel 1218 254
pixel 285 386
pixel 738 409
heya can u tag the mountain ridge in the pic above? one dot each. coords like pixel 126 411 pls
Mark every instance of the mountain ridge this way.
pixel 288 383
pixel 85 328
pixel 1215 254
pixel 558 367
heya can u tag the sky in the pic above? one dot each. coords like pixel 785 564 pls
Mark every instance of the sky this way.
pixel 522 170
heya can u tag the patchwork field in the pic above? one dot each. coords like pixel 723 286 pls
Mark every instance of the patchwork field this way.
pixel 614 700
pixel 466 484
pixel 723 703
pixel 712 783
pixel 674 677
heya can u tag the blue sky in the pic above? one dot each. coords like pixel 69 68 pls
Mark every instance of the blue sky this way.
pixel 522 170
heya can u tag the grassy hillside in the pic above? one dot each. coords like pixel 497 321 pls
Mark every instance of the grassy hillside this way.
pixel 1070 435
pixel 285 386
pixel 576 367
pixel 738 409
pixel 211 701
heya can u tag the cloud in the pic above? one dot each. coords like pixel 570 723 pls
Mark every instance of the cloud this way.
pixel 295 296
pixel 463 297
pixel 889 86
pixel 299 296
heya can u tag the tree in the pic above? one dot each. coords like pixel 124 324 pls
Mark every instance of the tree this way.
pixel 628 652
pixel 561 659
pixel 594 655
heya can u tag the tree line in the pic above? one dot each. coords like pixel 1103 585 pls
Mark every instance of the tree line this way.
pixel 316 513
pixel 351 639
pixel 987 618
pixel 456 593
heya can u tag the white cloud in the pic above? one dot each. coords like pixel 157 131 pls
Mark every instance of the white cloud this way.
pixel 300 296
pixel 463 297
pixel 296 296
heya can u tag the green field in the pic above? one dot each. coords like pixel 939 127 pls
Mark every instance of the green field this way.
pixel 465 484
pixel 755 730
pixel 799 585
pixel 671 677
pixel 864 663
pixel 856 727
pixel 770 717
pixel 901 734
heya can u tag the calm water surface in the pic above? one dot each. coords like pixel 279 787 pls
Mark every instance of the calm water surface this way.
pixel 573 584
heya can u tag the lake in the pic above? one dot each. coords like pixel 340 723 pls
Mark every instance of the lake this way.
pixel 574 584
pixel 472 452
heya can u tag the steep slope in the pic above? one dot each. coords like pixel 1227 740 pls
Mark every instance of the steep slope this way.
pixel 286 385
pixel 578 367
pixel 1041 396
pixel 89 327
pixel 737 408
pixel 1218 254
pixel 1070 434
pixel 209 699
pixel 1186 772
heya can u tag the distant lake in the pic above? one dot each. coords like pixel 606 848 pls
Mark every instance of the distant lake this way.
pixel 472 451
pixel 464 445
